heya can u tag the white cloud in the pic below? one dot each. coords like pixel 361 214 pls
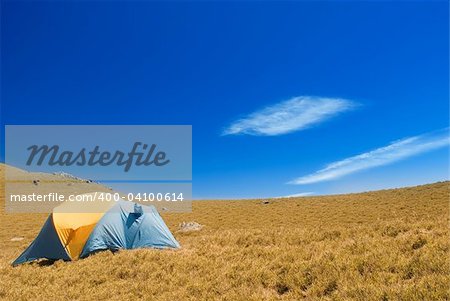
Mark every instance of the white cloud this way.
pixel 295 114
pixel 296 195
pixel 395 151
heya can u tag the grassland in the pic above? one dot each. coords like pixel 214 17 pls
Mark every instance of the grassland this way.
pixel 383 245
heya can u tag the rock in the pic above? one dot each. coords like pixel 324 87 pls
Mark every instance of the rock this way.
pixel 72 177
pixel 17 238
pixel 67 176
pixel 189 226
pixel 265 202
pixel 36 182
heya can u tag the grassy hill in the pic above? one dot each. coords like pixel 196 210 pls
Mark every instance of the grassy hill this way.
pixel 381 245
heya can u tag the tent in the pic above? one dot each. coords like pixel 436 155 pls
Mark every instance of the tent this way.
pixel 75 230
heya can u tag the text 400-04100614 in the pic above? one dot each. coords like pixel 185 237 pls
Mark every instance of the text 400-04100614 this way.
pixel 150 197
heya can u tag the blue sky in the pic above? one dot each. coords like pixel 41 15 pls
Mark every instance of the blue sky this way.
pixel 275 92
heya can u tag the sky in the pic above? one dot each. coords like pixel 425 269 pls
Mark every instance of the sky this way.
pixel 284 98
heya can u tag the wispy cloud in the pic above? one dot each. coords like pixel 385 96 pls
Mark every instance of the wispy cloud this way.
pixel 395 151
pixel 295 114
pixel 296 195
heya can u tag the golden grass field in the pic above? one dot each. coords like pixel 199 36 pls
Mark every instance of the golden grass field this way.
pixel 382 245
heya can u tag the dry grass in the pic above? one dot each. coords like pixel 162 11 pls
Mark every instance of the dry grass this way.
pixel 385 245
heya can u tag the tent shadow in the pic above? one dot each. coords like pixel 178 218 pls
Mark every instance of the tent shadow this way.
pixel 49 262
pixel 113 251
pixel 45 262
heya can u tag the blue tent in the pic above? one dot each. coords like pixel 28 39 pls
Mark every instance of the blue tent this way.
pixel 123 225
pixel 130 226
